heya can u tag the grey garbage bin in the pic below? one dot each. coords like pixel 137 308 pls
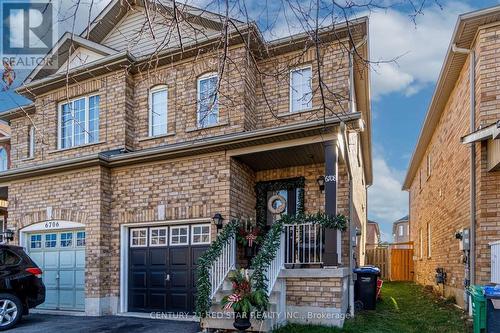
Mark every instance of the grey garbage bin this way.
pixel 365 287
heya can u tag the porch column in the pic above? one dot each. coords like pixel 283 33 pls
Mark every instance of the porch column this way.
pixel 330 257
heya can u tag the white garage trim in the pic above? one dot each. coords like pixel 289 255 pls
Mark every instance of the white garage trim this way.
pixel 46 226
pixel 124 242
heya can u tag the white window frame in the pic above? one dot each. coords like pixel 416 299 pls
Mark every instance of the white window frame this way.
pixel 401 231
pixel 171 243
pixel 2 149
pixel 429 241
pixel 201 226
pixel 41 241
pixel 87 121
pixel 132 237
pixel 155 89
pixel 206 76
pixel 44 237
pixel 31 142
pixel 61 240
pixel 151 236
pixel 84 238
pixel 290 90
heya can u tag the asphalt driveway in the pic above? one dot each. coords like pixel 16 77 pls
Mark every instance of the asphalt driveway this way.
pixel 43 323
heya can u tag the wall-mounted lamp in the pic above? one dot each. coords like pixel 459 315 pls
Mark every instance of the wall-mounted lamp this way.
pixel 217 220
pixel 321 183
pixel 9 235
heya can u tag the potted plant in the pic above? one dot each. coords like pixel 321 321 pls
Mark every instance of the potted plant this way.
pixel 242 299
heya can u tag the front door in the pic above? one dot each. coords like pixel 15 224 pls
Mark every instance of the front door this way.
pixel 162 267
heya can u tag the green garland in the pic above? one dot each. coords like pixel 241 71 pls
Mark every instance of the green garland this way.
pixel 261 189
pixel 271 244
pixel 330 222
pixel 262 260
pixel 205 262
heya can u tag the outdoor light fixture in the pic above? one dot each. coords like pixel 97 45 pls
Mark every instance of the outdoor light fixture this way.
pixel 217 219
pixel 9 235
pixel 321 183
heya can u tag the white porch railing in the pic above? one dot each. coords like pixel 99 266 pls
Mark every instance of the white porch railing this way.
pixel 223 265
pixel 304 243
pixel 274 268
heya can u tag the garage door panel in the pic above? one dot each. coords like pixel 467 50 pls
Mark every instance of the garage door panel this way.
pixel 67 279
pixel 179 301
pixel 139 257
pixel 138 300
pixel 196 253
pixel 138 280
pixel 80 259
pixel 80 279
pixel 158 279
pixel 51 260
pixel 158 257
pixel 179 256
pixel 179 279
pixel 158 301
pixel 66 259
pixel 63 274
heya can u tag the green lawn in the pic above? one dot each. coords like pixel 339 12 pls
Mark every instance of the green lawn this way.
pixel 404 307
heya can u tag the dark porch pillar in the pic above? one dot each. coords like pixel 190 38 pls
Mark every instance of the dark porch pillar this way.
pixel 330 257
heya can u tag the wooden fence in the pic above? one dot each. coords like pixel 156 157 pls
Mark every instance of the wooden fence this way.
pixel 395 261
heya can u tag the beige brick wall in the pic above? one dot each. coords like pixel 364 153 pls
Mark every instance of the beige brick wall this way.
pixel 442 200
pixel 315 292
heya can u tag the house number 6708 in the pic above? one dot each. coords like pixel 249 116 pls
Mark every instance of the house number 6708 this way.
pixel 49 225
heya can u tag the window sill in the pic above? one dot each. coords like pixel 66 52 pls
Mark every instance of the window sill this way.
pixel 76 147
pixel 292 113
pixel 194 129
pixel 157 137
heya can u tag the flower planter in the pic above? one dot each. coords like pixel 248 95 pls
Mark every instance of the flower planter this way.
pixel 242 321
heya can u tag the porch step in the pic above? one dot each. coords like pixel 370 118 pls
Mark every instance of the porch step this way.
pixel 223 319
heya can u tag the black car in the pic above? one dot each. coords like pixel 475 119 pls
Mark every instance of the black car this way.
pixel 21 286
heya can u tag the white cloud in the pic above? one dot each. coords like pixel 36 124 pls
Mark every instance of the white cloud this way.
pixel 419 48
pixel 386 201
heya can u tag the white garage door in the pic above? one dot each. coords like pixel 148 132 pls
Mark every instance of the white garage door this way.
pixel 61 256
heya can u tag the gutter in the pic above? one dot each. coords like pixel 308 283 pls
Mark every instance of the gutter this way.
pixel 472 194
pixel 189 148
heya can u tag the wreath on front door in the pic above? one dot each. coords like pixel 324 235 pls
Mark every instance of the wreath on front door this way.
pixel 276 209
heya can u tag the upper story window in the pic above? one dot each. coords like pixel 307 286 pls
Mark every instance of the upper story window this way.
pixel 401 230
pixel 429 165
pixel 300 89
pixel 4 160
pixel 79 122
pixel 158 106
pixel 31 141
pixel 208 101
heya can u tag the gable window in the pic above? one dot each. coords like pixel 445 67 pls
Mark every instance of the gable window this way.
pixel 208 101
pixel 31 142
pixel 158 108
pixel 4 160
pixel 79 122
pixel 301 89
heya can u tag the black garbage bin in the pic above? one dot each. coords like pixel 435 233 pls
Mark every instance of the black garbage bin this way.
pixel 365 287
pixel 492 295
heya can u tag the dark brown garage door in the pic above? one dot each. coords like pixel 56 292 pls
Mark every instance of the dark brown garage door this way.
pixel 162 267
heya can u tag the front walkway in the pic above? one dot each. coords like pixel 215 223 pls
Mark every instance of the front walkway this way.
pixel 43 323
pixel 404 307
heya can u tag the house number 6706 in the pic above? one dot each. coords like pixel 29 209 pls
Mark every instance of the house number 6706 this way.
pixel 49 225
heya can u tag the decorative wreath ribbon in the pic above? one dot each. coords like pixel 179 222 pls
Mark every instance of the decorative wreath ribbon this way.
pixel 250 238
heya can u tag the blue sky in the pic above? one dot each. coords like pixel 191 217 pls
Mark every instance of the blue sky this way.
pixel 401 90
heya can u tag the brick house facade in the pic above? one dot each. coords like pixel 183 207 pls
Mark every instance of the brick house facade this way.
pixel 442 202
pixel 124 179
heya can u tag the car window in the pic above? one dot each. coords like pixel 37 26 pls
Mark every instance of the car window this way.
pixel 8 258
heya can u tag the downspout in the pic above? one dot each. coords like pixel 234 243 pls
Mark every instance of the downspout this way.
pixel 352 231
pixel 472 232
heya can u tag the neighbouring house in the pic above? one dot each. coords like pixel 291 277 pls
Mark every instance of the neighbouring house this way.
pixel 453 178
pixel 401 230
pixel 121 165
pixel 4 166
pixel 372 235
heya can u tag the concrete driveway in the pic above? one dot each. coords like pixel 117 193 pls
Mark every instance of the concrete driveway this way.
pixel 44 323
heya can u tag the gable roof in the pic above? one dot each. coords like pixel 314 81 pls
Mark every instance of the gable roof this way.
pixel 375 225
pixel 463 36
pixel 62 50
pixel 403 219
